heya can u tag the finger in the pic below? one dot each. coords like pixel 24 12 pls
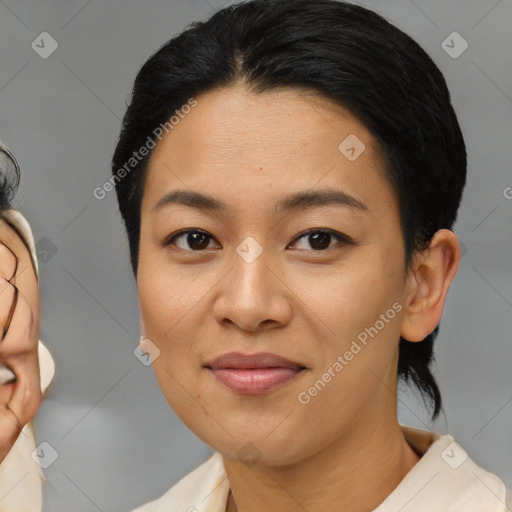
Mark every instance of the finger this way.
pixel 19 317
pixel 20 292
pixel 6 392
pixel 21 399
pixel 18 351
pixel 10 424
pixel 7 305
pixel 9 431
pixel 26 396
pixel 23 329
pixel 8 262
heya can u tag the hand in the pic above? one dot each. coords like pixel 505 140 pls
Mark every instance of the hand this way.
pixel 19 337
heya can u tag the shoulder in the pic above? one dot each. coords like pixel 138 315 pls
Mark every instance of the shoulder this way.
pixel 204 489
pixel 445 478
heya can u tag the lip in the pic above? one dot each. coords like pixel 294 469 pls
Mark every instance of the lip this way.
pixel 253 373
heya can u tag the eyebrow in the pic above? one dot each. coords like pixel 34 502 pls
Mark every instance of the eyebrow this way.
pixel 298 201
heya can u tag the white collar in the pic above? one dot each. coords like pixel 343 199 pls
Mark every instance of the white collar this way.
pixel 445 479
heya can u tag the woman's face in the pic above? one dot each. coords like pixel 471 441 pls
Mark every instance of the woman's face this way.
pixel 311 298
pixel 20 312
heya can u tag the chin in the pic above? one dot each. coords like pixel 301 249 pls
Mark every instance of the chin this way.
pixel 253 447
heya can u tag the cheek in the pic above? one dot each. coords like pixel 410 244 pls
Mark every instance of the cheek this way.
pixel 350 299
pixel 164 318
pixel 169 302
pixel 357 316
pixel 160 293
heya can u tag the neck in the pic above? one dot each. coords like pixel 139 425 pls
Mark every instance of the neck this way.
pixel 357 471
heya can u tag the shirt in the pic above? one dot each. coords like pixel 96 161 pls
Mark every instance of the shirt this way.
pixel 20 476
pixel 445 479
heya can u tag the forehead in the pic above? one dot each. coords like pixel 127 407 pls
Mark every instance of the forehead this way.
pixel 265 145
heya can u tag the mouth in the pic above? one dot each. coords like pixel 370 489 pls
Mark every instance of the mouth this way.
pixel 254 373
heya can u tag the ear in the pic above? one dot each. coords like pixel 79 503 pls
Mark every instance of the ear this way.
pixel 428 281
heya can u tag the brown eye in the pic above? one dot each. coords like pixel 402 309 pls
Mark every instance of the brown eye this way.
pixel 190 240
pixel 194 240
pixel 320 239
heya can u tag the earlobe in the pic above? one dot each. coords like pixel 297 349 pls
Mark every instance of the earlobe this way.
pixel 430 277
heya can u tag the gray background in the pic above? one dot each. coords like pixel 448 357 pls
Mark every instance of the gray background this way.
pixel 119 444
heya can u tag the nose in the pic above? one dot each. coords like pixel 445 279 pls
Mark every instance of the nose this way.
pixel 253 294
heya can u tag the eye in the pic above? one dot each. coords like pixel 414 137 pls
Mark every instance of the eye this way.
pixel 320 239
pixel 196 239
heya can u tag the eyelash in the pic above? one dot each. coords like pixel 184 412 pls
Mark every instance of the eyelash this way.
pixel 344 239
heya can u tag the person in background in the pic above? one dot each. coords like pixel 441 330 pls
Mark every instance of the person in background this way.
pixel 26 366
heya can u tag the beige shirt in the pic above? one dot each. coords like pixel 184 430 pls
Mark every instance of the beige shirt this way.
pixel 444 480
pixel 20 476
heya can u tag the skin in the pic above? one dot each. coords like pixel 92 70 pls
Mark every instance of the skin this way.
pixel 19 400
pixel 249 151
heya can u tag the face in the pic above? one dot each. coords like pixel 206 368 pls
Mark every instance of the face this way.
pixel 307 280
pixel 18 350
pixel 17 267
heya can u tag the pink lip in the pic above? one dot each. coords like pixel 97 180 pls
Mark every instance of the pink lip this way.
pixel 253 373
